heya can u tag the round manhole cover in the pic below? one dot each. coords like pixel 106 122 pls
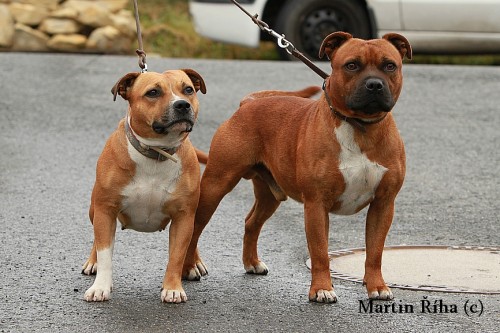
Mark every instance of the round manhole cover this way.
pixel 458 269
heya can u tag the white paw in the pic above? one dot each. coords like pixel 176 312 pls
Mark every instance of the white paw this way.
pixel 199 270
pixel 103 283
pixel 173 296
pixel 325 296
pixel 385 294
pixel 260 269
pixel 98 293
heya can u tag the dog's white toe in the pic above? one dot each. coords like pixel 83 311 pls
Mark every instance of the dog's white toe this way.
pixel 98 293
pixel 173 296
pixel 325 296
pixel 199 270
pixel 260 269
pixel 385 294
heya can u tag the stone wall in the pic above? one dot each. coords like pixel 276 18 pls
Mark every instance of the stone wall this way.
pixel 94 26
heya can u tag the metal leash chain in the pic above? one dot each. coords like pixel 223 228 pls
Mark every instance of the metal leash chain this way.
pixel 282 41
pixel 140 52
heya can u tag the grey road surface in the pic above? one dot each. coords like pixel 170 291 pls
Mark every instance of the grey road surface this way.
pixel 56 112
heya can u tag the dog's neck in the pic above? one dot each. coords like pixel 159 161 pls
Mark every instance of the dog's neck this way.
pixel 355 122
pixel 156 153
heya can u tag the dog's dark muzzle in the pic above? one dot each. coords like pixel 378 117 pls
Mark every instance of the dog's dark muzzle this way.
pixel 179 117
pixel 371 96
pixel 181 125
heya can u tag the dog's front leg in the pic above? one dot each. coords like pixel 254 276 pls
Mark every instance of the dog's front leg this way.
pixel 104 236
pixel 317 225
pixel 181 230
pixel 378 223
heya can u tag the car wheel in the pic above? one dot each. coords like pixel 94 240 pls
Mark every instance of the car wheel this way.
pixel 305 23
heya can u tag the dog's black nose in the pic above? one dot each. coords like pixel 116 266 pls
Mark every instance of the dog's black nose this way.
pixel 182 106
pixel 374 85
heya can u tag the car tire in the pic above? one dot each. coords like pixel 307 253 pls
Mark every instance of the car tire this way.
pixel 305 23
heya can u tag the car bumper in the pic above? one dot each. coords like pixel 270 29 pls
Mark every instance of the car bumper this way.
pixel 432 42
pixel 218 21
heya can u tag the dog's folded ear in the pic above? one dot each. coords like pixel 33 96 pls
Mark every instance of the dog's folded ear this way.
pixel 197 80
pixel 123 85
pixel 401 43
pixel 333 42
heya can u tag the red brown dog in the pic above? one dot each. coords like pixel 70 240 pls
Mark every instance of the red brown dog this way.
pixel 337 155
pixel 148 175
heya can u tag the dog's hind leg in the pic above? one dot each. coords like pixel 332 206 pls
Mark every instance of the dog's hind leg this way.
pixel 90 266
pixel 215 184
pixel 264 206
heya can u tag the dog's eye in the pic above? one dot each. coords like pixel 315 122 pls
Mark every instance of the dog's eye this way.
pixel 390 67
pixel 153 93
pixel 188 90
pixel 352 66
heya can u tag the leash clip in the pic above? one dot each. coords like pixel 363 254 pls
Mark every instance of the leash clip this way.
pixel 285 44
pixel 280 40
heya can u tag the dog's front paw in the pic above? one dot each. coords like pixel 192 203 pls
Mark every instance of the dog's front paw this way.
pixel 324 296
pixel 260 268
pixel 195 273
pixel 382 293
pixel 98 293
pixel 376 288
pixel 173 296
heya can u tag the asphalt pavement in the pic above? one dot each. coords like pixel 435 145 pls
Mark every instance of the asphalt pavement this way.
pixel 56 111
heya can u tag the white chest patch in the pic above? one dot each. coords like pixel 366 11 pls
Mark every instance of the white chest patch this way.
pixel 361 175
pixel 149 189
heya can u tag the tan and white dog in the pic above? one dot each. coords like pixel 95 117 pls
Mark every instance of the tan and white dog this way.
pixel 337 155
pixel 148 175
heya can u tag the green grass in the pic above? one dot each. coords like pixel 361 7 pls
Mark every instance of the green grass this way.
pixel 168 31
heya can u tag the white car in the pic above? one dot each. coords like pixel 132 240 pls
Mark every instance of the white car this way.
pixel 431 26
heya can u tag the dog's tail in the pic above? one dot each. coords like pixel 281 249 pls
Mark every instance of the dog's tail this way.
pixel 202 156
pixel 305 93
